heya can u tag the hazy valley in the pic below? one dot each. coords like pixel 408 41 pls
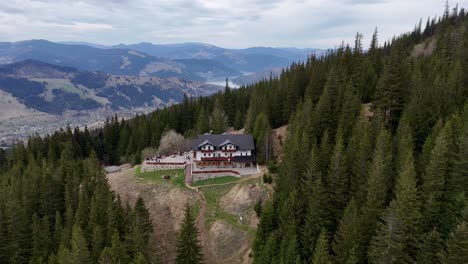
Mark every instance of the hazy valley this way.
pixel 46 85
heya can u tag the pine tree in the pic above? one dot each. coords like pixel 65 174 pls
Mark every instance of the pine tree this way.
pixel 189 250
pixel 347 238
pixel 389 94
pixel 229 103
pixel 431 245
pixel 218 120
pixel 18 231
pixel 321 252
pixel 262 136
pixel 64 256
pixel 79 252
pixel 316 218
pixel 139 259
pixel 324 116
pixel 459 173
pixel 116 253
pixel 202 121
pixel 3 234
pixel 238 120
pixel 456 246
pixel 338 180
pixel 98 242
pixel 140 230
pixel 434 181
pixel 142 217
pixel 359 151
pixel 289 248
pixel 41 239
pixel 378 184
pixel 268 254
pixel 265 227
pixel 397 237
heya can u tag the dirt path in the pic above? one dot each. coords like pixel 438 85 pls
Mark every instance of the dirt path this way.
pixel 200 223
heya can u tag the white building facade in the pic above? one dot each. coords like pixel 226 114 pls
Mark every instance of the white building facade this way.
pixel 224 151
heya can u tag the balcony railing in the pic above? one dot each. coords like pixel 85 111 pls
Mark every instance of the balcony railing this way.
pixel 216 158
pixel 229 150
pixel 207 150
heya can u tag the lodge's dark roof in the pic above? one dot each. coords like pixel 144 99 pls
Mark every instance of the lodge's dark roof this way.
pixel 242 141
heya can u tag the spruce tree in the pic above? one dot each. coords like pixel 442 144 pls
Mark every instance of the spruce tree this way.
pixel 262 135
pixel 189 250
pixel 359 152
pixel 397 237
pixel 456 245
pixel 3 234
pixel 347 240
pixel 202 121
pixel 116 253
pixel 264 229
pixel 218 120
pixel 338 181
pixel 79 252
pixel 316 219
pixel 459 174
pixel 431 245
pixel 238 120
pixel 389 94
pixel 321 252
pixel 268 254
pixel 378 184
pixel 434 181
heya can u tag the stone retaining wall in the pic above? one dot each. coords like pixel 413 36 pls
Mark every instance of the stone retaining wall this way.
pixel 146 168
pixel 205 176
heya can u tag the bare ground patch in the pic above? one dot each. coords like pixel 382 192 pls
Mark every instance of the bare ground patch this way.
pixel 278 138
pixel 227 243
pixel 164 201
pixel 425 48
pixel 226 219
pixel 242 197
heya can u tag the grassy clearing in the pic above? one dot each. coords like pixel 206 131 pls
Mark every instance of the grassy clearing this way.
pixel 177 176
pixel 214 193
pixel 215 212
pixel 218 180
pixel 67 86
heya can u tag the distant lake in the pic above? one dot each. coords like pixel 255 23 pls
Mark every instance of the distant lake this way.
pixel 222 80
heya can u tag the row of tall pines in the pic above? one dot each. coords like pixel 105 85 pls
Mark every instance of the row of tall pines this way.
pixel 62 211
pixel 387 184
pixel 375 167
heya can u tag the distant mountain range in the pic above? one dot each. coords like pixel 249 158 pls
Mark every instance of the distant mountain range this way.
pixel 114 60
pixel 55 89
pixel 193 61
pixel 245 60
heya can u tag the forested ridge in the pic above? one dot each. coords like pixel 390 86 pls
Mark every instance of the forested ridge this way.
pixel 375 167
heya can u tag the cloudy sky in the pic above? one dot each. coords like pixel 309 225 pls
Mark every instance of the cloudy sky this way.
pixel 227 23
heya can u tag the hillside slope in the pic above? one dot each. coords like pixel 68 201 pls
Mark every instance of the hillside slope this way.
pixel 55 89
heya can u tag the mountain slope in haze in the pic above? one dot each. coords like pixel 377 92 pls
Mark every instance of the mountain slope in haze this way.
pixel 252 78
pixel 55 89
pixel 112 60
pixel 253 59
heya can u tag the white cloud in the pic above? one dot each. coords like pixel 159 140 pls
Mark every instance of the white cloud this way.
pixel 229 23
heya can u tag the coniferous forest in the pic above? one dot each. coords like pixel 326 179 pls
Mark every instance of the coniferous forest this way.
pixel 375 166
